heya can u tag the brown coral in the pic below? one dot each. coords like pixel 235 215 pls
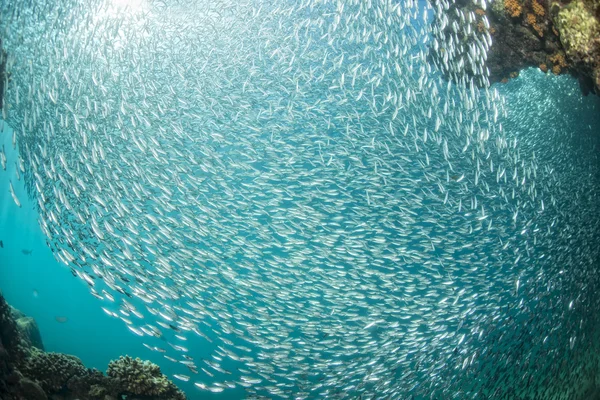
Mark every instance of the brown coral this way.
pixel 558 59
pixel 513 7
pixel 539 30
pixel 538 9
pixel 531 20
pixel 544 68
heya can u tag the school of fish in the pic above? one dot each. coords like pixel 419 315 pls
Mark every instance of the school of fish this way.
pixel 295 183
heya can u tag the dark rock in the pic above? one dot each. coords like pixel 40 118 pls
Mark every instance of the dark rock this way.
pixel 9 333
pixel 97 391
pixel 551 47
pixel 31 390
pixel 30 331
pixel 14 378
pixel 558 36
pixel 88 385
pixel 17 313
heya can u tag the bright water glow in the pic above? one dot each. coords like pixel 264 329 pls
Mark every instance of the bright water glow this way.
pixel 127 6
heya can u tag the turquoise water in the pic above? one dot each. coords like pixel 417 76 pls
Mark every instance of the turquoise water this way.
pixel 292 192
pixel 544 111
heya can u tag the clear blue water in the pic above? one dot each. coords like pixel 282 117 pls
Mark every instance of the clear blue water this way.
pixel 546 110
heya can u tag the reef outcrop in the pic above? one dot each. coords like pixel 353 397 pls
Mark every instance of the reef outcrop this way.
pixel 137 377
pixel 29 373
pixel 556 36
pixel 28 328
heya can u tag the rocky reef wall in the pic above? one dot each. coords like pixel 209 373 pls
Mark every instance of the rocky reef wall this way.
pixel 555 36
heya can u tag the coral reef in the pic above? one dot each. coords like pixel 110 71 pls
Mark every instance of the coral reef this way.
pixel 142 378
pixel 558 36
pixel 29 373
pixel 578 25
pixel 513 8
pixel 52 371
pixel 521 40
pixel 579 29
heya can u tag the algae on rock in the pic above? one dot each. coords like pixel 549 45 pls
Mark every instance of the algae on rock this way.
pixel 579 29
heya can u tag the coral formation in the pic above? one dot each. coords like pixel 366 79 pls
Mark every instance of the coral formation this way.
pixel 28 373
pixel 498 7
pixel 538 9
pixel 562 36
pixel 558 59
pixel 522 40
pixel 513 8
pixel 558 62
pixel 90 386
pixel 52 370
pixel 578 25
pixel 532 20
pixel 579 29
pixel 139 377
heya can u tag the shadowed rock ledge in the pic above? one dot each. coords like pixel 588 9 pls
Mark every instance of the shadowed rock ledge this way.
pixel 555 36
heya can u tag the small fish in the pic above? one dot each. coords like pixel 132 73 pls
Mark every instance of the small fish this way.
pixel 26 252
pixel 13 194
pixel 297 194
pixel 192 368
pixel 135 330
pixel 184 378
pixel 61 319
pixel 1 244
